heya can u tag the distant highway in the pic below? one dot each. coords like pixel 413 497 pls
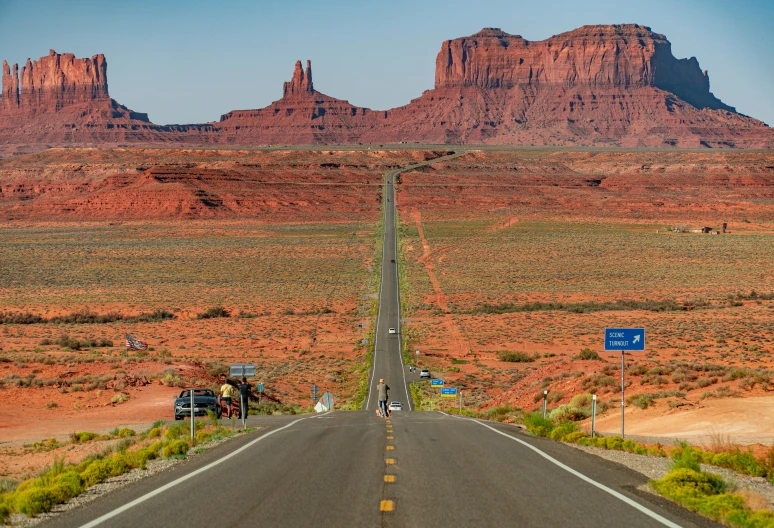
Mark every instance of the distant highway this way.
pixel 418 469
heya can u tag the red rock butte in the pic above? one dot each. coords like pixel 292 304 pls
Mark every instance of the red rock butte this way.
pixel 612 85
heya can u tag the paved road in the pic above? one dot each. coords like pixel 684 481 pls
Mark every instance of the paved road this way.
pixel 423 469
pixel 388 360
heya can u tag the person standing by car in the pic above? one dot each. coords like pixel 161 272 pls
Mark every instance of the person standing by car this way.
pixel 244 395
pixel 226 393
pixel 382 393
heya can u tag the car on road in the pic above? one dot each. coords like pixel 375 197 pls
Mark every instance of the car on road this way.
pixel 204 400
pixel 393 261
pixel 392 331
pixel 395 406
pixel 424 373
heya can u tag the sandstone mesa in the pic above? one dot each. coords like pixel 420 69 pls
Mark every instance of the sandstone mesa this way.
pixel 611 85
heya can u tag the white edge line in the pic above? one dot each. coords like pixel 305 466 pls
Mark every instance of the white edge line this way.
pixel 397 287
pixel 162 489
pixel 624 498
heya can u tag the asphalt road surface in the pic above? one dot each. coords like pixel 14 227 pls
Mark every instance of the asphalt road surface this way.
pixel 352 469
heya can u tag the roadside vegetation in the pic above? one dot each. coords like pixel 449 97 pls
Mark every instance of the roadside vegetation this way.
pixel 62 481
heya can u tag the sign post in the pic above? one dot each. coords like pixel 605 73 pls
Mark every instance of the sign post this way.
pixel 545 401
pixel 193 418
pixel 260 392
pixel 315 388
pixel 623 339
pixel 593 414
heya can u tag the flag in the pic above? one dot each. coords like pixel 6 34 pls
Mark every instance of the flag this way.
pixel 133 342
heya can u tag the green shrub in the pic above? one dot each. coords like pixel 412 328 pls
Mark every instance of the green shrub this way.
pixel 101 470
pixel 80 438
pixel 174 431
pixel 643 401
pixel 536 424
pixel 34 501
pixel 176 447
pixel 516 357
pixel 614 442
pixel 125 432
pixel 568 412
pixel 561 432
pixel 587 354
pixel 213 313
pixel 575 437
pixel 155 432
pixel 684 485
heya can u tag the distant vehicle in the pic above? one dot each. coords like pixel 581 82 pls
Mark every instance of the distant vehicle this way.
pixel 424 373
pixel 392 330
pixel 395 406
pixel 204 400
pixel 393 261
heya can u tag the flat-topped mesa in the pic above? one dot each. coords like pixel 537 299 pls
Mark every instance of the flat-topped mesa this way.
pixel 301 83
pixel 55 80
pixel 620 56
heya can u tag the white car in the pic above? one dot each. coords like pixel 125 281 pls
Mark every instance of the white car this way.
pixel 395 406
pixel 424 373
pixel 391 330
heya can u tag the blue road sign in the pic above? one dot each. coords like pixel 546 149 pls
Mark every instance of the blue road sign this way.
pixel 618 339
pixel 436 383
pixel 449 392
pixel 260 387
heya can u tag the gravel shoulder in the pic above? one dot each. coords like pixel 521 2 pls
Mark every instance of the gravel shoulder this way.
pixel 656 467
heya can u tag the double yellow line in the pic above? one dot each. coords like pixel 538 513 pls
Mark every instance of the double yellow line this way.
pixel 388 505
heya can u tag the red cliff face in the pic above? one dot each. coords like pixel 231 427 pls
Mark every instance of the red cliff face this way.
pixel 54 81
pixel 616 56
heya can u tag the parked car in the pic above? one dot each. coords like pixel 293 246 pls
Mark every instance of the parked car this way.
pixel 424 373
pixel 204 400
pixel 392 331
pixel 395 406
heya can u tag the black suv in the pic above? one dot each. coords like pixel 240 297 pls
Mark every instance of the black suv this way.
pixel 204 400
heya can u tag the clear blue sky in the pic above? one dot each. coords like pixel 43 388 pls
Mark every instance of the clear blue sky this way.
pixel 185 61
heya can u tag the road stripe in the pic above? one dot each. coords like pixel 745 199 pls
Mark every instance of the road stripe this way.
pixel 162 489
pixel 624 498
pixel 386 506
pixel 389 478
pixel 389 461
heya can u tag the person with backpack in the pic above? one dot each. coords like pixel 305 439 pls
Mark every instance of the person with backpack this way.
pixel 382 393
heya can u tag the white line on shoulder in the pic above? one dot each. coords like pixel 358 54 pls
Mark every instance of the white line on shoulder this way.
pixel 624 498
pixel 162 489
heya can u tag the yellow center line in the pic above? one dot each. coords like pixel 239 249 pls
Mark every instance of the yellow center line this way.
pixel 389 478
pixel 390 448
pixel 390 438
pixel 389 461
pixel 386 506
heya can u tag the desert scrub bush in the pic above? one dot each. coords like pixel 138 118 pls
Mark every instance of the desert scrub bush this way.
pixel 501 413
pixel 720 392
pixel 83 437
pixel 569 412
pixel 587 354
pixel 562 431
pixel 214 313
pixel 536 424
pixel 643 401
pixel 121 397
pixel 516 357
pixel 708 494
pixel 176 448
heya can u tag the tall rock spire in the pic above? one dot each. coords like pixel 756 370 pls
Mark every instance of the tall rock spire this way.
pixel 301 83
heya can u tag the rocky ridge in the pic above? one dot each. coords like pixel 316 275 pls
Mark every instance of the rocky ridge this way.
pixel 613 85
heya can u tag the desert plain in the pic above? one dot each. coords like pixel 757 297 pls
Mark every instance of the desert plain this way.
pixel 512 261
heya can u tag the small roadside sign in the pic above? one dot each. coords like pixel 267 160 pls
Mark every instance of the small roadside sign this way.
pixel 449 392
pixel 260 387
pixel 624 339
pixel 436 383
pixel 246 370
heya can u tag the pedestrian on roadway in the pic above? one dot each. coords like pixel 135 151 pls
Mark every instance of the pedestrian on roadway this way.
pixel 382 393
pixel 244 395
pixel 226 393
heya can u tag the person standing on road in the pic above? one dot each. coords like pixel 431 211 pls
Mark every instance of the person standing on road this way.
pixel 226 393
pixel 244 395
pixel 382 393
